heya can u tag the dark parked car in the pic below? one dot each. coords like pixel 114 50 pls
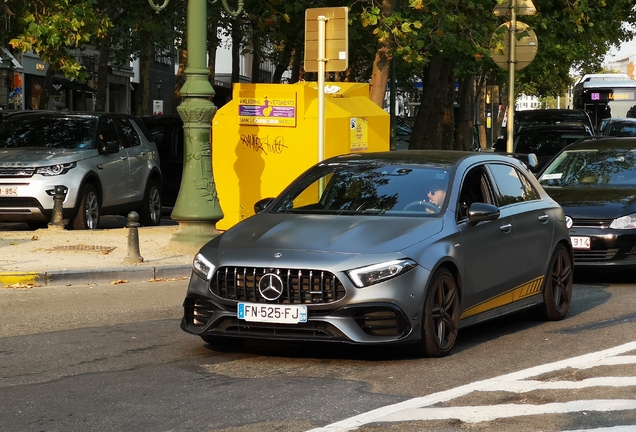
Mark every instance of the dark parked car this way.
pixel 386 248
pixel 620 127
pixel 168 133
pixel 108 163
pixel 545 141
pixel 553 117
pixel 595 183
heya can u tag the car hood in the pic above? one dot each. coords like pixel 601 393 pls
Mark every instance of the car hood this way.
pixel 36 157
pixel 329 233
pixel 594 202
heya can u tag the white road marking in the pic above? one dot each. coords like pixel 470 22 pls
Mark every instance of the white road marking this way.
pixel 415 409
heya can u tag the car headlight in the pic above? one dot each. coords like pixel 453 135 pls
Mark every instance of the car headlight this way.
pixel 55 170
pixel 369 275
pixel 624 222
pixel 203 267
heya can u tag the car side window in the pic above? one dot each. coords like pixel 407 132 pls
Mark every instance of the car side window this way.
pixel 108 131
pixel 475 188
pixel 130 137
pixel 512 185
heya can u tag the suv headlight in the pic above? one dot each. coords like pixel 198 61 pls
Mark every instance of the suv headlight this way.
pixel 55 170
pixel 203 267
pixel 369 275
pixel 624 222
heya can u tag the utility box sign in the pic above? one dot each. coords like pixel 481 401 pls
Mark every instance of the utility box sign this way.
pixel 260 109
pixel 359 134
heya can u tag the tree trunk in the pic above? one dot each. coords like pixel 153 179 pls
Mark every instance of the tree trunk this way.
pixel 236 51
pixel 102 74
pixel 448 106
pixel 144 80
pixel 432 116
pixel 382 61
pixel 296 62
pixel 282 65
pixel 256 56
pixel 464 136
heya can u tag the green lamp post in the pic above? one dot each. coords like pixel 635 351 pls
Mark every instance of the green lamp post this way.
pixel 197 208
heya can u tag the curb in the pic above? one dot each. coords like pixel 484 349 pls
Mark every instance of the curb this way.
pixel 70 277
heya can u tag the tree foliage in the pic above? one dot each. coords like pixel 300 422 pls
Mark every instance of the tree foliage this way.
pixel 53 28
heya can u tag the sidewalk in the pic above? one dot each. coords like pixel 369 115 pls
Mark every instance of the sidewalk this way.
pixel 43 257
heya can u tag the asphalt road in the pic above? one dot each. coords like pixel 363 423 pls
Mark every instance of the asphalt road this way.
pixel 112 357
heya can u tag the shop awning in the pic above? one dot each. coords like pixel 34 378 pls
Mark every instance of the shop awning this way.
pixel 58 83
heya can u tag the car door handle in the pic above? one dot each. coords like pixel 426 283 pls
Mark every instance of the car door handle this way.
pixel 123 158
pixel 543 218
pixel 506 228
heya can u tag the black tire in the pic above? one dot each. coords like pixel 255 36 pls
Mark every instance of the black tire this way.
pixel 150 212
pixel 440 318
pixel 557 287
pixel 222 341
pixel 87 212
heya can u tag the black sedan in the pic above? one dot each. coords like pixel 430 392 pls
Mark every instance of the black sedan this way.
pixel 386 248
pixel 595 183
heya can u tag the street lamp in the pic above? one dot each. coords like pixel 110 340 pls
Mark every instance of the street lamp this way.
pixel 197 209
pixel 158 83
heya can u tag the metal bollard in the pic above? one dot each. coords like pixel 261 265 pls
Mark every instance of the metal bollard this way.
pixel 133 239
pixel 58 206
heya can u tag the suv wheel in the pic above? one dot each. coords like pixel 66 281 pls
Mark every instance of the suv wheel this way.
pixel 87 216
pixel 150 212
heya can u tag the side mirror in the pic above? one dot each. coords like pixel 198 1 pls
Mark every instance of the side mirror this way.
pixel 262 204
pixel 533 162
pixel 479 211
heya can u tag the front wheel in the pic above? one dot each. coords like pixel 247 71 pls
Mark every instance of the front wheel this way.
pixel 150 212
pixel 87 213
pixel 557 287
pixel 440 320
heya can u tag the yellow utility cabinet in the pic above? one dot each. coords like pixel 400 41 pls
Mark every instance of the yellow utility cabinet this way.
pixel 267 135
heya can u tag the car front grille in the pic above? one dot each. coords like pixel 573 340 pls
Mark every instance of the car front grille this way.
pixel 14 202
pixel 14 172
pixel 591 223
pixel 594 255
pixel 299 286
pixel 312 330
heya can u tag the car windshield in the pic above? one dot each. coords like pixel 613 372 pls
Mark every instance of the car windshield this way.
pixel 622 129
pixel 48 132
pixel 367 188
pixel 545 143
pixel 590 167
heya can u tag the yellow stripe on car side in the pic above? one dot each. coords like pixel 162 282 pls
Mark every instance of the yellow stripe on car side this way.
pixel 522 291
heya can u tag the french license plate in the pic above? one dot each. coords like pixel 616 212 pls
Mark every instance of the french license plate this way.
pixel 285 314
pixel 8 191
pixel 580 243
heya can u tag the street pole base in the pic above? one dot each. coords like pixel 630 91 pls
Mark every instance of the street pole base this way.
pixel 132 260
pixel 191 236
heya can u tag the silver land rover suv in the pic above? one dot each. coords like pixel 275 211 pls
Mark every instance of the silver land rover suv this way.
pixel 109 163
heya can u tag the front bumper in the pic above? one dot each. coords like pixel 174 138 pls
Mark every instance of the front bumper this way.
pixel 387 312
pixel 609 248
pixel 34 199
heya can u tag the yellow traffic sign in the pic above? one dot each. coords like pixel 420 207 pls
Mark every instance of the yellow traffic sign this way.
pixel 523 7
pixel 336 39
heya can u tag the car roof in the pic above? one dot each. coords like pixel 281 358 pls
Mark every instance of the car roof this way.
pixel 603 142
pixel 432 158
pixel 552 114
pixel 553 128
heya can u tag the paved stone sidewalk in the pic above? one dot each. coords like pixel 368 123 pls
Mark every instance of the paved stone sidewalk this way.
pixel 59 257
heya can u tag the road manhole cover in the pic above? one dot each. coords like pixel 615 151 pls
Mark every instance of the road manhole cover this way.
pixel 84 248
